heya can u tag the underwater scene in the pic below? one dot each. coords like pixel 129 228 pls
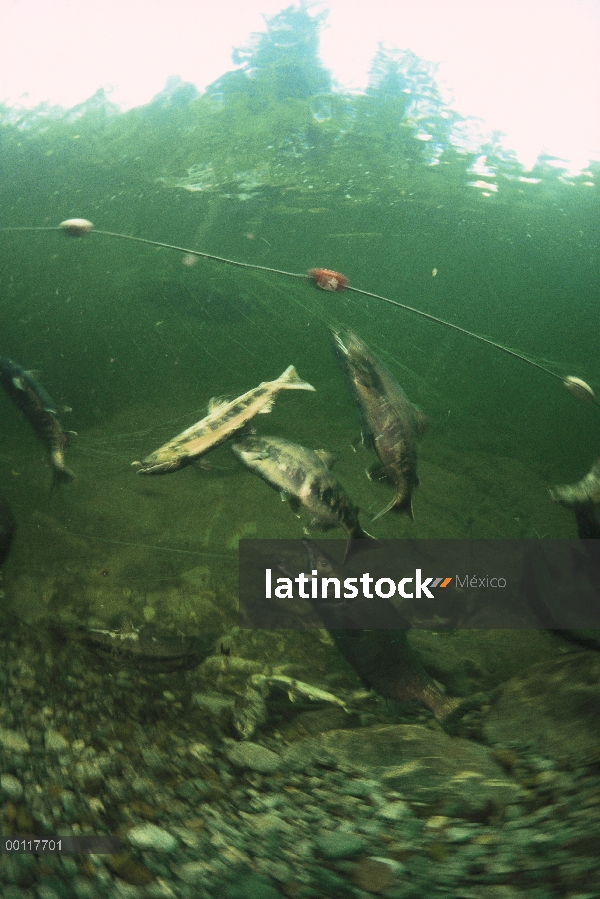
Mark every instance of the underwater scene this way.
pixel 265 292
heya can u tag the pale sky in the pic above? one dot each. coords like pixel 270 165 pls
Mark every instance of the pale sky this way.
pixel 529 68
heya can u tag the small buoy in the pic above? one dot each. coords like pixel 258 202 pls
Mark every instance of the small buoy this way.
pixel 328 280
pixel 579 389
pixel 76 227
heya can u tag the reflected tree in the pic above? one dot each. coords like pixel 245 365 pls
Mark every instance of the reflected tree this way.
pixel 279 64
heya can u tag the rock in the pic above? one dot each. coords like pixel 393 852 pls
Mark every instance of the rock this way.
pixel 267 822
pixel 129 869
pixel 554 705
pixel 149 836
pixel 449 775
pixel 194 872
pixel 55 742
pixel 11 787
pixel 255 757
pixel 394 811
pixel 375 875
pixel 13 741
pixel 468 661
pixel 339 844
pixel 316 721
pixel 251 886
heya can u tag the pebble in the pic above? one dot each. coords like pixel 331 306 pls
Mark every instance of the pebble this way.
pixel 201 815
pixel 13 741
pixel 55 742
pixel 339 844
pixel 268 822
pixel 149 836
pixel 377 874
pixel 255 757
pixel 394 811
pixel 11 786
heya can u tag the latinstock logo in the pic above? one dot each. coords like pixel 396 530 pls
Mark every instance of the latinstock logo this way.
pixel 348 588
pixel 422 587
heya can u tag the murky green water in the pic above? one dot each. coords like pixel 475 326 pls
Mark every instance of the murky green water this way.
pixel 275 170
pixel 132 701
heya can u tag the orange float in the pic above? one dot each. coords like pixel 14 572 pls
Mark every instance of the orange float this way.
pixel 327 279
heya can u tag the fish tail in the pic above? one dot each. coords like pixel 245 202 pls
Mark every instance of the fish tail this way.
pixel 401 503
pixel 291 380
pixel 61 475
pixel 585 492
pixel 358 544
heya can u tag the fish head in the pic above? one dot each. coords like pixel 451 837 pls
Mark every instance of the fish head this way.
pixel 250 449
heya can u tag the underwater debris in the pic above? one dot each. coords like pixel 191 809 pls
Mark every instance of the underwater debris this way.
pixel 200 179
pixel 294 688
pixel 159 654
pixel 250 707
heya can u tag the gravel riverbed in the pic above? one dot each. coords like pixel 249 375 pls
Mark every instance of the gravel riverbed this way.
pixel 85 749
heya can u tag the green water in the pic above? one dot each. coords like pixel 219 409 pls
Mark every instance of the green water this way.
pixel 288 175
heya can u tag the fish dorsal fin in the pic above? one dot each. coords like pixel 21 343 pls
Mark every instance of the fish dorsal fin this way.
pixel 291 380
pixel 421 421
pixel 267 406
pixel 326 457
pixel 216 403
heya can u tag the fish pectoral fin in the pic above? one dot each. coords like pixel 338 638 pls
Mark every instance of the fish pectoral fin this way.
pixel 377 473
pixel 267 406
pixel 398 504
pixel 326 457
pixel 18 383
pixel 294 502
pixel 322 524
pixel 365 441
pixel 65 409
pixel 255 456
pixel 70 435
pixel 421 421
